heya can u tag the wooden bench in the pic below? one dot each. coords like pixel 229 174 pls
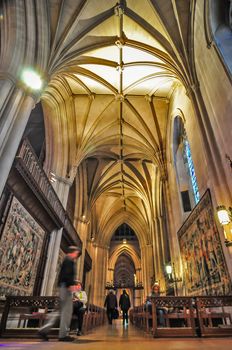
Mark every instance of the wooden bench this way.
pixel 185 314
pixel 93 317
pixel 186 317
pixel 214 323
pixel 14 311
pixel 40 316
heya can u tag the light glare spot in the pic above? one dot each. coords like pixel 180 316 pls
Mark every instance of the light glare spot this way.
pixel 32 79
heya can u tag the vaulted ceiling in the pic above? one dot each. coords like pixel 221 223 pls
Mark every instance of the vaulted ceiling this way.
pixel 112 68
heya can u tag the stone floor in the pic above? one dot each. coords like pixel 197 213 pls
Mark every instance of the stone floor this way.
pixel 120 338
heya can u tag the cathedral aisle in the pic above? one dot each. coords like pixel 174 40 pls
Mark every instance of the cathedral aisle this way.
pixel 120 338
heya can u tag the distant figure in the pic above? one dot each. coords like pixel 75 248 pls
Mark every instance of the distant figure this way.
pixel 66 283
pixel 111 304
pixel 79 307
pixel 124 303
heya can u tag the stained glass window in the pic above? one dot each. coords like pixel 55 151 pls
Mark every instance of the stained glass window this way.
pixel 191 171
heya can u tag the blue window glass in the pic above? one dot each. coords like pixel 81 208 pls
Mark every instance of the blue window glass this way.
pixel 188 158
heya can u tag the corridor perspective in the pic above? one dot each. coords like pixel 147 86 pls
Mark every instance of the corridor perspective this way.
pixel 116 174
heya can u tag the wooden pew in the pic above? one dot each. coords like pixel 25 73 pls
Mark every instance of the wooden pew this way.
pixel 16 310
pixel 40 315
pixel 93 317
pixel 180 311
pixel 215 315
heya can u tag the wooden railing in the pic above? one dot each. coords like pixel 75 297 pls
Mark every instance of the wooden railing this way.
pixel 29 167
pixel 185 316
pixel 30 161
pixel 20 310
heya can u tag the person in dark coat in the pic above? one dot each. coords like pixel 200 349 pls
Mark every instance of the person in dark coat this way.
pixel 124 303
pixel 66 283
pixel 111 304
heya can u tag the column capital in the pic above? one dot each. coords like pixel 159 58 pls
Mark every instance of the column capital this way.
pixel 193 88
pixel 98 245
pixel 19 84
pixel 8 76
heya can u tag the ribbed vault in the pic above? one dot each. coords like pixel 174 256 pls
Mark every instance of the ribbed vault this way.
pixel 112 70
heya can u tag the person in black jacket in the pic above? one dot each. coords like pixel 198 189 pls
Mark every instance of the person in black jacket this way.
pixel 111 304
pixel 124 303
pixel 66 283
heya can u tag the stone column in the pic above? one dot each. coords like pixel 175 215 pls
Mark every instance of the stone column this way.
pixel 173 239
pixel 137 297
pixel 156 249
pixel 147 267
pixel 110 275
pixel 16 108
pixel 50 271
pixel 61 187
pixel 99 274
pixel 139 274
pixel 82 229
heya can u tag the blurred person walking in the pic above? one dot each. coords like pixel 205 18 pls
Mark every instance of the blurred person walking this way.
pixel 66 284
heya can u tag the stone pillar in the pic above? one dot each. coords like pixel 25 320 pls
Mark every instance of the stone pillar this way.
pixel 51 264
pixel 61 187
pixel 82 229
pixel 147 267
pixel 110 275
pixel 139 274
pixel 173 239
pixel 156 249
pixel 16 109
pixel 137 297
pixel 99 274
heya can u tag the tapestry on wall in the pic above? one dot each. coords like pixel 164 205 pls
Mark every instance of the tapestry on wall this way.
pixel 20 250
pixel 204 266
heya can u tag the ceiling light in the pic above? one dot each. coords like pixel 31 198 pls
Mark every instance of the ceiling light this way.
pixel 32 79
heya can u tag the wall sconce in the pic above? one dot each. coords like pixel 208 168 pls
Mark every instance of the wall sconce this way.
pixel 225 219
pixel 171 272
pixel 135 279
pixel 124 241
pixel 223 215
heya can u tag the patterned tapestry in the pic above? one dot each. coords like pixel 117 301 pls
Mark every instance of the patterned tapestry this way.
pixel 20 250
pixel 204 266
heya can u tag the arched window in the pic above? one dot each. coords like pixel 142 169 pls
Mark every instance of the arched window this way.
pixel 218 16
pixel 190 166
pixel 185 172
